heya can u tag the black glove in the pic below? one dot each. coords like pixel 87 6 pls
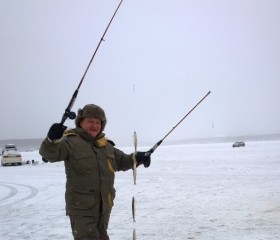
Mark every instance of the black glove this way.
pixel 44 160
pixel 143 157
pixel 56 131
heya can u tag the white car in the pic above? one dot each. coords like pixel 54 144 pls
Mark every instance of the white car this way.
pixel 11 156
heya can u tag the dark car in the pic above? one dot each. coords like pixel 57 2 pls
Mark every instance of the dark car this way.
pixel 238 144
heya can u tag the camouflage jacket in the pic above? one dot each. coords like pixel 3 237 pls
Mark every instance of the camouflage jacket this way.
pixel 90 166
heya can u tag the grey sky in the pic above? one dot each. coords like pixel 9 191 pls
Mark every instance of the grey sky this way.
pixel 158 60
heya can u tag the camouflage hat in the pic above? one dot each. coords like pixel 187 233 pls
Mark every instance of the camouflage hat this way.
pixel 91 111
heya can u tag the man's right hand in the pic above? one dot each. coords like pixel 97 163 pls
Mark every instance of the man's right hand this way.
pixel 56 131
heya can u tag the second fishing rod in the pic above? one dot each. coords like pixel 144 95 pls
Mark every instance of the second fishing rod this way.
pixel 149 152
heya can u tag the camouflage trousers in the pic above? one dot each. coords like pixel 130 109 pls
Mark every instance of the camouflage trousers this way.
pixel 89 228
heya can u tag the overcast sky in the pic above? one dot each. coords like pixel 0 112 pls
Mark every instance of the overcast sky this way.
pixel 159 58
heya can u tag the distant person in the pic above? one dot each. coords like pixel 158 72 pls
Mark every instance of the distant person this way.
pixel 90 162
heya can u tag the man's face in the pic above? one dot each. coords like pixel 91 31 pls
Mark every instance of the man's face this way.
pixel 91 125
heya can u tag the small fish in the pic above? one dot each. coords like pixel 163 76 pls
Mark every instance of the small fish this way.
pixel 133 209
pixel 134 161
pixel 135 141
pixel 134 173
pixel 134 234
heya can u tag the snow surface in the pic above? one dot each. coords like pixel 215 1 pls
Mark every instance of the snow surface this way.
pixel 194 191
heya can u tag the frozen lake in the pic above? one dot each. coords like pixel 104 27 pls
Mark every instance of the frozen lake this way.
pixel 194 191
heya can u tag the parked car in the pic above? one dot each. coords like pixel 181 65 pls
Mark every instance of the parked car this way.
pixel 10 155
pixel 238 144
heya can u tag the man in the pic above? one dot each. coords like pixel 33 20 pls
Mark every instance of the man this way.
pixel 90 164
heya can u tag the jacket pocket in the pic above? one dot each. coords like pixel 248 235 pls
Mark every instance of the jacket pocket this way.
pixel 85 164
pixel 111 197
pixel 112 166
pixel 82 200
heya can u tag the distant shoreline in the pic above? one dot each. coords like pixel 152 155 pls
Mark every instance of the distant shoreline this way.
pixel 23 144
pixel 34 144
pixel 249 138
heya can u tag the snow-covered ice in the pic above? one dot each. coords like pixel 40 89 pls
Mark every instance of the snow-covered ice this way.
pixel 194 191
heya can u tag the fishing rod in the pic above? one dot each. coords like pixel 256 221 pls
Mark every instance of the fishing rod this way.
pixel 68 113
pixel 149 152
